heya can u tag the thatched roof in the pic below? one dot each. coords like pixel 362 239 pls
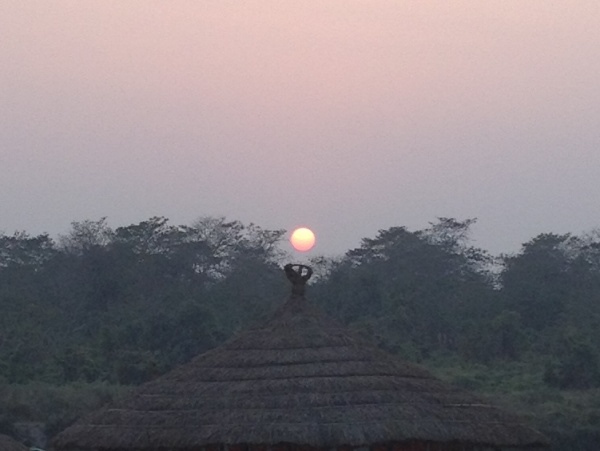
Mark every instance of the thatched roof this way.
pixel 299 379
pixel 9 444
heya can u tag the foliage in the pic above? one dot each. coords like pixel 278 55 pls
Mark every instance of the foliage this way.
pixel 576 364
pixel 420 288
pixel 99 308
pixel 124 306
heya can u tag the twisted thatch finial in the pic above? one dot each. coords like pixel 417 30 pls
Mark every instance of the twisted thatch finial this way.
pixel 298 275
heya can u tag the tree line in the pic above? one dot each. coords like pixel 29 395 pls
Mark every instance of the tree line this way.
pixel 127 304
pixel 117 307
pixel 429 293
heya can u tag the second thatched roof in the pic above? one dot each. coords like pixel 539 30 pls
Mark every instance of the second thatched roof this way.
pixel 300 379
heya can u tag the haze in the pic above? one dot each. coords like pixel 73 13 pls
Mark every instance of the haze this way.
pixel 346 116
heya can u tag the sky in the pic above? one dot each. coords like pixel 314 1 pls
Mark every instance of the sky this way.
pixel 345 116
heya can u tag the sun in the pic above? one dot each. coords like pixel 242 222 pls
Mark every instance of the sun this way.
pixel 303 239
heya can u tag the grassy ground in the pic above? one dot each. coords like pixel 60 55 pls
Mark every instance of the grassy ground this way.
pixel 571 418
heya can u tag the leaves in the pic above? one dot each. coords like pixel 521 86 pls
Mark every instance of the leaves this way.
pixel 123 306
pixel 126 304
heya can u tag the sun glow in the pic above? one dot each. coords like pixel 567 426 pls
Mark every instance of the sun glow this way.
pixel 303 239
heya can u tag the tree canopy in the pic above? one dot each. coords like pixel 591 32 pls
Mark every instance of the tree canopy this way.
pixel 122 306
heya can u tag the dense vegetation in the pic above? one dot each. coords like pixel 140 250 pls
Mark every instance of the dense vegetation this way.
pixel 97 310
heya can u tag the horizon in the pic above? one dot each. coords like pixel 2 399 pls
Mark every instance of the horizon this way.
pixel 348 117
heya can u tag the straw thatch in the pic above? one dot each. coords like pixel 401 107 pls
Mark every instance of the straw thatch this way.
pixel 301 379
pixel 9 444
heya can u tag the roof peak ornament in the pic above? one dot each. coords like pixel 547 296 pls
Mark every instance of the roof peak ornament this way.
pixel 298 275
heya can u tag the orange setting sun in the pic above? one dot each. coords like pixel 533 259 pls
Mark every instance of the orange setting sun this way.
pixel 303 239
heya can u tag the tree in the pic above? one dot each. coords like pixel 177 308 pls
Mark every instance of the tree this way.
pixel 425 284
pixel 86 234
pixel 21 250
pixel 575 364
pixel 536 282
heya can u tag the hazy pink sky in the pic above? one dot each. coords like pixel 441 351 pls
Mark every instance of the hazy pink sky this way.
pixel 346 116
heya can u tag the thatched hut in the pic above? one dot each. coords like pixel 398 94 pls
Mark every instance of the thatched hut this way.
pixel 9 444
pixel 300 382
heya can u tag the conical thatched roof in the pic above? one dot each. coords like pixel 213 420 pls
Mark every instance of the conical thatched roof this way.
pixel 9 444
pixel 300 379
